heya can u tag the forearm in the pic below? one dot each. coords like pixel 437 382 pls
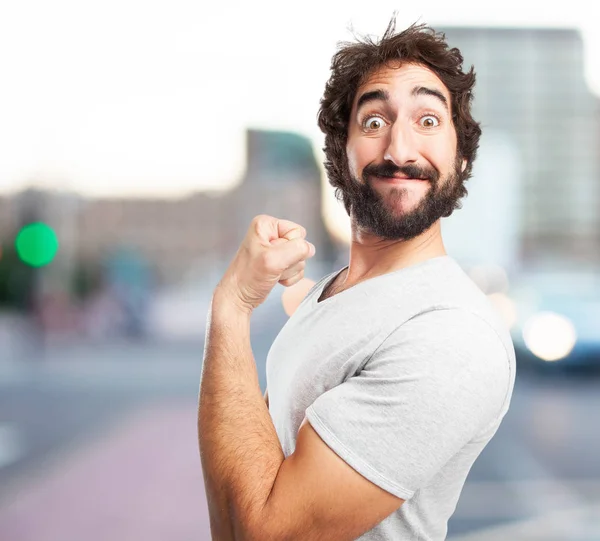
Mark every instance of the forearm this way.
pixel 239 448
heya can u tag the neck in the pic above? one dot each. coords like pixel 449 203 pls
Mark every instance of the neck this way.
pixel 372 256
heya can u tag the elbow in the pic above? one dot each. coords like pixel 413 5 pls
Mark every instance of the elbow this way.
pixel 263 527
pixel 253 532
pixel 262 534
pixel 247 533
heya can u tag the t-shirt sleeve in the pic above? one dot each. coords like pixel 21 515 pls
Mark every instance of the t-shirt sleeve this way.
pixel 434 384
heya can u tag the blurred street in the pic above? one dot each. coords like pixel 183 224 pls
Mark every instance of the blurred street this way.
pixel 127 190
pixel 100 443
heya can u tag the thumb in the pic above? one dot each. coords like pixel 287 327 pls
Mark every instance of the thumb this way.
pixel 294 234
pixel 294 251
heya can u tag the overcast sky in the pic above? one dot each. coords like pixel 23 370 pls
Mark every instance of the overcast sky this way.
pixel 142 97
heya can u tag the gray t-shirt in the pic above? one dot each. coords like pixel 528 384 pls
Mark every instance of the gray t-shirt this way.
pixel 405 376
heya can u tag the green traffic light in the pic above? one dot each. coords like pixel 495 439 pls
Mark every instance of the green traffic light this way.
pixel 37 244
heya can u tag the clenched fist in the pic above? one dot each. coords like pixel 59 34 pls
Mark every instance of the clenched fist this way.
pixel 273 251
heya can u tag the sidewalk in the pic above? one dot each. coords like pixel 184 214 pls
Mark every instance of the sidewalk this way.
pixel 142 480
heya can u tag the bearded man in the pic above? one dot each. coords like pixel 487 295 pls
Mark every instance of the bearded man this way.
pixel 394 372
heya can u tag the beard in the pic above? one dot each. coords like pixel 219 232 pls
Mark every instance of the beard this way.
pixel 376 213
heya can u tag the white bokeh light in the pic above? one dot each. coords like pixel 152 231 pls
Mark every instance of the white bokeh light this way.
pixel 549 336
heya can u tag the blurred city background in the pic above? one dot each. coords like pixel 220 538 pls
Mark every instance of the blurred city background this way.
pixel 137 142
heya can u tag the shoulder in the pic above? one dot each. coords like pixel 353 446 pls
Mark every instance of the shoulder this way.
pixel 450 340
pixel 456 303
pixel 451 353
pixel 451 323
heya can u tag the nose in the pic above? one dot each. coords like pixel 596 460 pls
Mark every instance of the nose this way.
pixel 402 147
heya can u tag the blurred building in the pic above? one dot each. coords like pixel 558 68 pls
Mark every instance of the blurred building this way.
pixel 282 179
pixel 170 234
pixel 203 231
pixel 7 218
pixel 195 234
pixel 534 198
pixel 531 90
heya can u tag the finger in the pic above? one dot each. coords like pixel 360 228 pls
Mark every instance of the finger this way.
pixel 265 227
pixel 298 233
pixel 293 280
pixel 292 271
pixel 278 242
pixel 293 251
pixel 290 230
pixel 269 228
pixel 290 275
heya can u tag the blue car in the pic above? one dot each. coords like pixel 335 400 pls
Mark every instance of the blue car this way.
pixel 557 321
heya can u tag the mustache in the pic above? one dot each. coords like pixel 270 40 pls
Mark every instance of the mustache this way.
pixel 388 169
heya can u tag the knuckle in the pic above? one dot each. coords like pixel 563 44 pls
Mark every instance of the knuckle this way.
pixel 301 229
pixel 260 218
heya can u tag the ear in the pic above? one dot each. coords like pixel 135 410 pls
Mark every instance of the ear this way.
pixel 464 165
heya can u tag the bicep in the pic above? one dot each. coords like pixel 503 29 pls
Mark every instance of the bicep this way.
pixel 318 496
pixel 421 397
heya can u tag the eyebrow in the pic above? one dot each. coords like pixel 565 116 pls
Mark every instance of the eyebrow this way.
pixel 382 95
pixel 425 91
pixel 373 95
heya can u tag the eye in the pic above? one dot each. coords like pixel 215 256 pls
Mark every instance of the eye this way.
pixel 373 123
pixel 429 121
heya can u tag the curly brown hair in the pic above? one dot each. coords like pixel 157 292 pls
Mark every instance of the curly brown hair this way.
pixel 355 61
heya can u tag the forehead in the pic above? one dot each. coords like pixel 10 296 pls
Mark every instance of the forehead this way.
pixel 402 78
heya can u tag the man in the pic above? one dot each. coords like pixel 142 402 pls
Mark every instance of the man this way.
pixel 395 372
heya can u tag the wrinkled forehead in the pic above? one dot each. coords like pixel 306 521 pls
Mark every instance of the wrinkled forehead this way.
pixel 401 76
